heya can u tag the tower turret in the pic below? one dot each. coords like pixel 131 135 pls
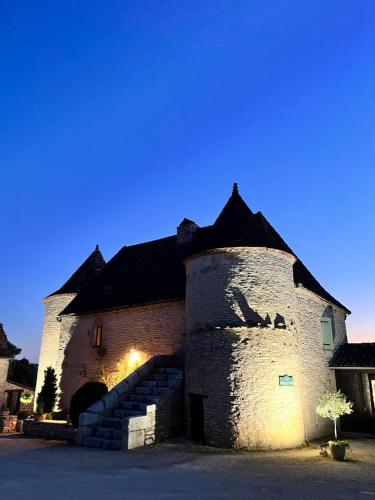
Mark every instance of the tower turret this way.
pixel 241 342
pixel 54 338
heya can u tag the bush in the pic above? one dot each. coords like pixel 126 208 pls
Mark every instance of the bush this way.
pixel 84 397
pixel 48 416
pixel 48 394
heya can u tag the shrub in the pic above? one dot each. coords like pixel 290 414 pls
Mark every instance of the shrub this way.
pixel 332 405
pixel 84 397
pixel 48 416
pixel 48 394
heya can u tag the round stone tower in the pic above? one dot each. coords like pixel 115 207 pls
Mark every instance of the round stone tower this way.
pixel 54 337
pixel 242 365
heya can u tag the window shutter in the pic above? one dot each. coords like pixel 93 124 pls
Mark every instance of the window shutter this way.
pixel 327 337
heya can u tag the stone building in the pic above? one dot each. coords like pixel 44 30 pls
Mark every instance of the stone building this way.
pixel 256 330
pixel 5 357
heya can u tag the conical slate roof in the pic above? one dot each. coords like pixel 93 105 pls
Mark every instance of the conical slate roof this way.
pixel 90 268
pixel 4 349
pixel 154 271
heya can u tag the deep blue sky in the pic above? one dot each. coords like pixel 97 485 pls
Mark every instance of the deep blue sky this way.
pixel 119 118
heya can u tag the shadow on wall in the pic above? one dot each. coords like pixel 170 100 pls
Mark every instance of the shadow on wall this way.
pixel 211 416
pixel 233 300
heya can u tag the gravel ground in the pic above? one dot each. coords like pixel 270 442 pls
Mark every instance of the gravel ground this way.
pixel 32 468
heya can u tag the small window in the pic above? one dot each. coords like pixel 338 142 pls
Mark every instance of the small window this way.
pixel 98 336
pixel 327 335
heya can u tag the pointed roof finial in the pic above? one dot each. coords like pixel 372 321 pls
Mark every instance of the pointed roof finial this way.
pixel 235 188
pixel 96 247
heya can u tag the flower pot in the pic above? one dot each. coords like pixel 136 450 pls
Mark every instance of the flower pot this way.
pixel 338 451
pixel 41 417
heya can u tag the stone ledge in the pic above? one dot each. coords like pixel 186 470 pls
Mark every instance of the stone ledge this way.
pixel 49 430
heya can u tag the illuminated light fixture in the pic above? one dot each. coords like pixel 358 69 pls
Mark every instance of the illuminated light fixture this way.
pixel 134 357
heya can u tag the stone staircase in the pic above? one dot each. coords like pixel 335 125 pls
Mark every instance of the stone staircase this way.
pixel 143 415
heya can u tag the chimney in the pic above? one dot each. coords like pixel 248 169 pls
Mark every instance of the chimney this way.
pixel 185 231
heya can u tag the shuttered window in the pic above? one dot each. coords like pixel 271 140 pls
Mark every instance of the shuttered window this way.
pixel 327 336
pixel 98 336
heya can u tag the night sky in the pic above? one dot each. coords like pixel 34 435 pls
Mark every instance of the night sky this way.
pixel 119 118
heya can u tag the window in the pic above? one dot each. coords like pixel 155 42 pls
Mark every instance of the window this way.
pixel 327 335
pixel 98 336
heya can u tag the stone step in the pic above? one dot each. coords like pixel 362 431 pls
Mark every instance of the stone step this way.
pixel 114 422
pixel 131 405
pixel 104 432
pixel 92 442
pixel 126 412
pixel 154 383
pixel 151 390
pixel 168 370
pixel 108 433
pixel 149 383
pixel 143 390
pixel 111 444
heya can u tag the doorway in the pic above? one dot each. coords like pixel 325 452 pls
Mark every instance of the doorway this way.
pixel 197 417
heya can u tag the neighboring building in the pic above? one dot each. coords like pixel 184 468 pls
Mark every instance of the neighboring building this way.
pixel 354 366
pixel 14 393
pixel 5 357
pixel 257 330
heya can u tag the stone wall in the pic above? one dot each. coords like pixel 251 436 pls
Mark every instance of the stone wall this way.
pixel 316 375
pixel 49 429
pixel 239 286
pixel 4 366
pixel 241 337
pixel 8 423
pixel 248 325
pixel 53 340
pixel 237 371
pixel 149 330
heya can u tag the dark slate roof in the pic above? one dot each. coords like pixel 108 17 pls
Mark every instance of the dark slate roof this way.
pixel 148 272
pixel 354 355
pixel 90 268
pixel 154 271
pixel 4 349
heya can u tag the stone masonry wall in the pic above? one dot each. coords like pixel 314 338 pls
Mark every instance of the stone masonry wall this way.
pixel 238 286
pixel 241 337
pixel 237 370
pixel 4 366
pixel 317 377
pixel 150 330
pixel 53 340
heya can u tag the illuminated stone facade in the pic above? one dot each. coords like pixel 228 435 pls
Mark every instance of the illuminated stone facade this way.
pixel 149 330
pixel 54 338
pixel 234 300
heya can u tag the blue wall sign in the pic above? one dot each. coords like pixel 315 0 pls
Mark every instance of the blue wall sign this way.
pixel 286 380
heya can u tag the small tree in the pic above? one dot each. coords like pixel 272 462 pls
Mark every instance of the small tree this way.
pixel 48 394
pixel 332 405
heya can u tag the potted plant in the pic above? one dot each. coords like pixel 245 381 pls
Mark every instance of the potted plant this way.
pixel 332 405
pixel 40 415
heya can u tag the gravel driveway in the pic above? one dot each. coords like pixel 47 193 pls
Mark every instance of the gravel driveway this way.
pixel 32 468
